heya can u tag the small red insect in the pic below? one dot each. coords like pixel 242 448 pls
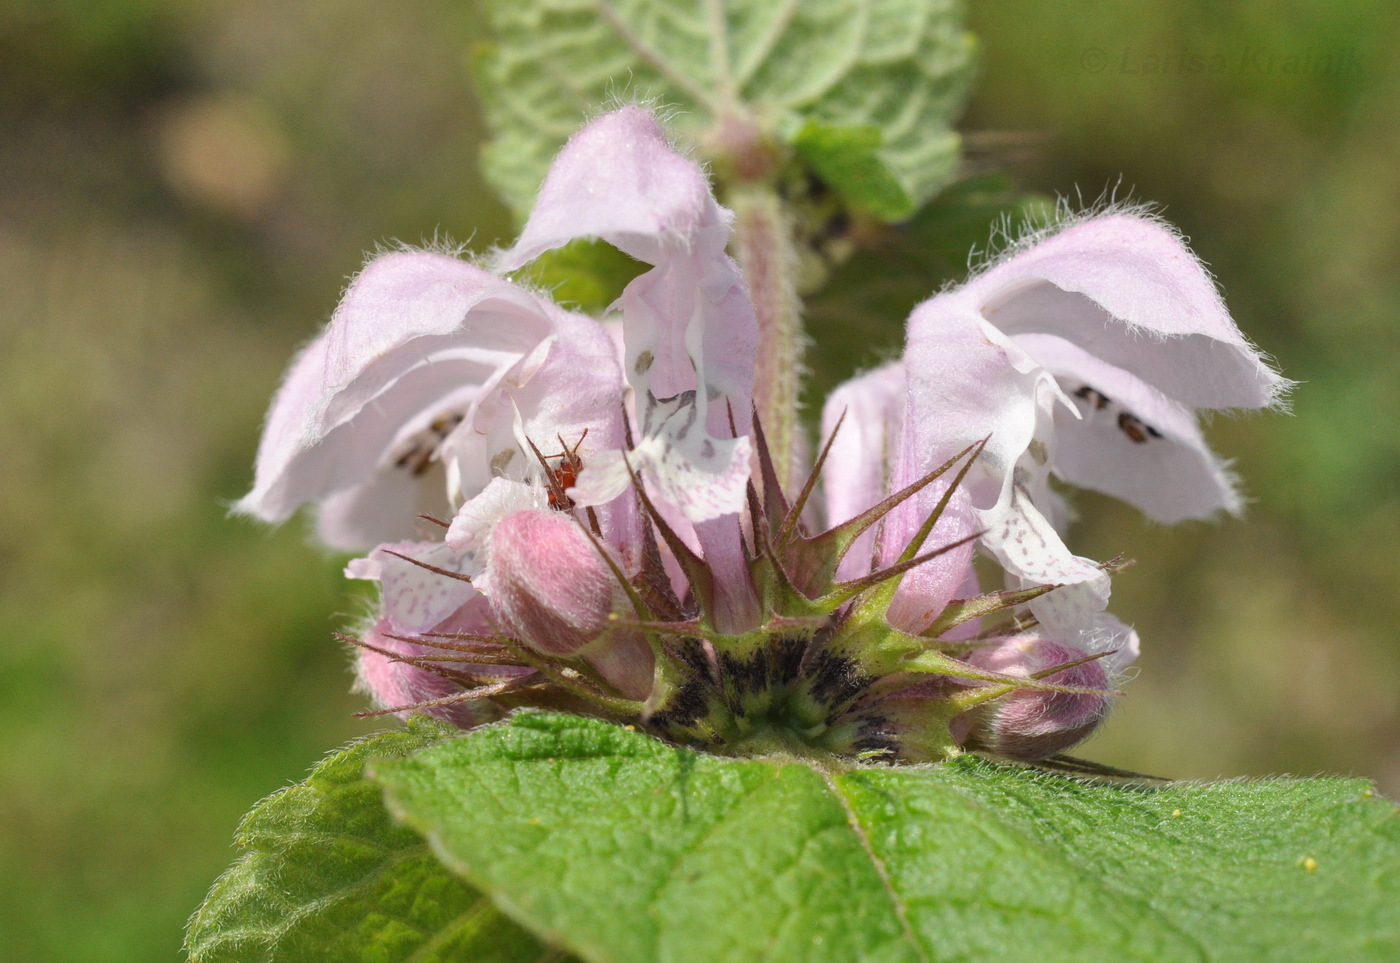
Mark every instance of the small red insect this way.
pixel 565 476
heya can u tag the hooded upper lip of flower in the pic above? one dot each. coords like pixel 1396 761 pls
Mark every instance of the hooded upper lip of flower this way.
pixel 1085 352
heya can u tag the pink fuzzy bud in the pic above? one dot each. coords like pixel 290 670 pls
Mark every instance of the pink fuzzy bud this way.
pixel 547 582
pixel 392 684
pixel 1029 724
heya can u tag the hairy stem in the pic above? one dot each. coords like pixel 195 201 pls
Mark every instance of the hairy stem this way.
pixel 763 246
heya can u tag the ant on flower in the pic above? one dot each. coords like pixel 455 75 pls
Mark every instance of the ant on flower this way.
pixel 563 477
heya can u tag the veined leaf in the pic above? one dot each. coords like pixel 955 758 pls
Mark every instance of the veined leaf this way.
pixel 813 74
pixel 328 877
pixel 623 848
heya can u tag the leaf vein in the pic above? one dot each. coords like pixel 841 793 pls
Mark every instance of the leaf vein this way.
pixel 900 910
pixel 653 57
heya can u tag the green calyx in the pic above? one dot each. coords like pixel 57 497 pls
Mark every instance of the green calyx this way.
pixel 823 671
pixel 815 670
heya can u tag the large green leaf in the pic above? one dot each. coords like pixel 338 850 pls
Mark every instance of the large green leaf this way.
pixel 328 877
pixel 864 90
pixel 623 848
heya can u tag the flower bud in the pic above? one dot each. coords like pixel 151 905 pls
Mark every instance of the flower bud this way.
pixel 546 581
pixel 391 684
pixel 626 660
pixel 1032 724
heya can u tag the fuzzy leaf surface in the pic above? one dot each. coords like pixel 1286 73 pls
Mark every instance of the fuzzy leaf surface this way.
pixel 622 848
pixel 328 877
pixel 894 71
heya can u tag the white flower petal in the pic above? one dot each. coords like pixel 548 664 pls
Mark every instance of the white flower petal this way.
pixel 690 331
pixel 415 600
pixel 1029 549
pixel 1130 440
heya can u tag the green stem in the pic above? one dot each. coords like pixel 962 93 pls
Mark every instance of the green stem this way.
pixel 763 246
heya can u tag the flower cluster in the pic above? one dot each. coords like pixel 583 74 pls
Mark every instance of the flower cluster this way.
pixel 581 514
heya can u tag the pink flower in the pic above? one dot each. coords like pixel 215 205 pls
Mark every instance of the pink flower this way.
pixel 617 540
pixel 1082 353
pixel 445 390
pixel 1029 724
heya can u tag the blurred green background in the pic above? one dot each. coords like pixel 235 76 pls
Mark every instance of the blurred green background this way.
pixel 185 185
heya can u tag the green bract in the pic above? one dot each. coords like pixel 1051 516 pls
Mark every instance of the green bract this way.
pixel 862 90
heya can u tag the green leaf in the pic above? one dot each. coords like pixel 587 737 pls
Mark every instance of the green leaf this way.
pixel 899 69
pixel 848 159
pixel 328 877
pixel 623 848
pixel 584 275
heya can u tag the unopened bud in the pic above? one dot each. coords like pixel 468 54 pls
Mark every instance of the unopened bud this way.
pixel 392 684
pixel 625 659
pixel 547 583
pixel 1033 724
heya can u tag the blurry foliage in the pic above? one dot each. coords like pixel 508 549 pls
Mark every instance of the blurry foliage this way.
pixel 863 92
pixel 185 186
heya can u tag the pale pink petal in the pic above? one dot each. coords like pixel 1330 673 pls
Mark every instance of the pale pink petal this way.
pixel 391 684
pixel 970 588
pixel 625 659
pixel 470 531
pixel 414 331
pixel 603 478
pixel 1130 440
pixel 416 599
pixel 689 328
pixel 1108 634
pixel 857 473
pixel 1127 290
pixel 736 602
pixel 386 508
pixel 1029 724
pixel 620 179
pixel 371 567
pixel 927 589
pixel 290 421
pixel 966 382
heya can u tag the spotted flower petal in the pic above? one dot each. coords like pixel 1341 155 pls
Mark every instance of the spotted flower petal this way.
pixel 1126 438
pixel 1128 320
pixel 689 327
pixel 415 598
pixel 417 338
